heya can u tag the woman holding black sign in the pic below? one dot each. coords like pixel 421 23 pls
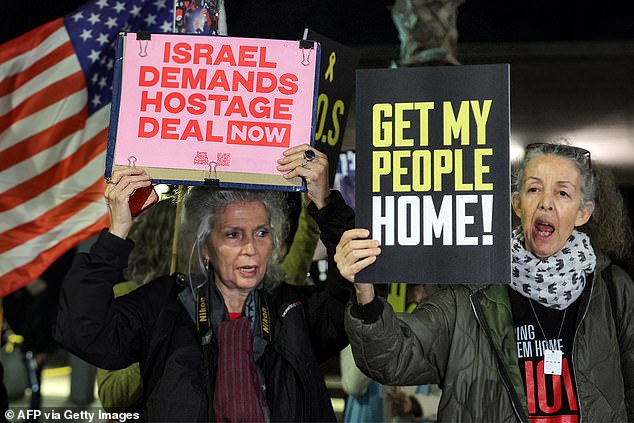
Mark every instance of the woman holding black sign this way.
pixel 226 340
pixel 556 343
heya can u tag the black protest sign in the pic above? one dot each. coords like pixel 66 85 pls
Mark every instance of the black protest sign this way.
pixel 433 173
pixel 336 88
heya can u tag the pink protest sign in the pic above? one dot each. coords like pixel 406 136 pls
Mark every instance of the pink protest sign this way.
pixel 193 107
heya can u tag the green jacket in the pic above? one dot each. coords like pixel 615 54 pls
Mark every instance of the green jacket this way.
pixel 120 390
pixel 462 339
pixel 297 262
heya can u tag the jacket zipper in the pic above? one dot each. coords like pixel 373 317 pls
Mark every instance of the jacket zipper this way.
pixel 506 379
pixel 574 343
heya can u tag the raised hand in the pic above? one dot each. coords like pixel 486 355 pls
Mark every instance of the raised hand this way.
pixel 354 253
pixel 120 187
pixel 312 165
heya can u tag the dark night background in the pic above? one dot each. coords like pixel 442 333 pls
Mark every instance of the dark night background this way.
pixel 574 60
pixel 357 22
pixel 572 63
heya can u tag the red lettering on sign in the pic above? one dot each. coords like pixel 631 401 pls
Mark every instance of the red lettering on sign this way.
pixel 218 100
pixel 208 134
pixel 193 130
pixel 169 127
pixel 174 102
pixel 219 79
pixel 181 54
pixel 170 77
pixel 225 55
pixel 247 56
pixel 166 52
pixel 148 127
pixel 202 52
pixel 148 76
pixel 175 129
pixel 282 108
pixel 155 101
pixel 244 80
pixel 194 81
pixel 236 106
pixel 196 104
pixel 262 62
pixel 288 83
pixel 266 82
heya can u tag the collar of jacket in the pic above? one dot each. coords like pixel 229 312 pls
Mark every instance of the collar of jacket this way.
pixel 603 261
pixel 591 290
pixel 219 312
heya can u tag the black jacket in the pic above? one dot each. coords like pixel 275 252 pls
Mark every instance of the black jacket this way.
pixel 151 326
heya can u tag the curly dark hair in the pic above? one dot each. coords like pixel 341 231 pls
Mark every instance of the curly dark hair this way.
pixel 610 227
pixel 152 233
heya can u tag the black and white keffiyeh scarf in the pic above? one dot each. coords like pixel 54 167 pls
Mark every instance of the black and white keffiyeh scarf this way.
pixel 558 280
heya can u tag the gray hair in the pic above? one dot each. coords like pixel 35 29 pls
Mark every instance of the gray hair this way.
pixel 609 226
pixel 560 149
pixel 201 206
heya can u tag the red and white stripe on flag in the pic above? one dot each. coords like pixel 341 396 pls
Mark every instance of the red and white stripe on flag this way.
pixel 52 155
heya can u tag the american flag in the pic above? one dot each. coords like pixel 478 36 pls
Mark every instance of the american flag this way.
pixel 55 94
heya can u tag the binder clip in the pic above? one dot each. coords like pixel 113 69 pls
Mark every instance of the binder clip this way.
pixel 306 45
pixel 143 37
pixel 213 182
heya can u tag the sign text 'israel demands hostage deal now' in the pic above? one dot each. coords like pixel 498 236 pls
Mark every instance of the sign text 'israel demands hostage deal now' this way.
pixel 188 100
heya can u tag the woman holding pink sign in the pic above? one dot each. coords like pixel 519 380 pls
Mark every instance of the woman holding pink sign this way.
pixel 224 339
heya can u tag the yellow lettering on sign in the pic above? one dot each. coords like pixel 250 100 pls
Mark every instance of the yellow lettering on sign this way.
pixel 455 126
pixel 480 169
pixel 381 166
pixel 381 129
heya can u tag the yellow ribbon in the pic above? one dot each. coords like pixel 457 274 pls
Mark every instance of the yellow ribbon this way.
pixel 330 72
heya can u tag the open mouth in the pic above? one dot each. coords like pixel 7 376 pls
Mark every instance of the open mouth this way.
pixel 248 269
pixel 544 229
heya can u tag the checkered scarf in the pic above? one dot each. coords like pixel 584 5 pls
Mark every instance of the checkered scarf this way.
pixel 556 281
